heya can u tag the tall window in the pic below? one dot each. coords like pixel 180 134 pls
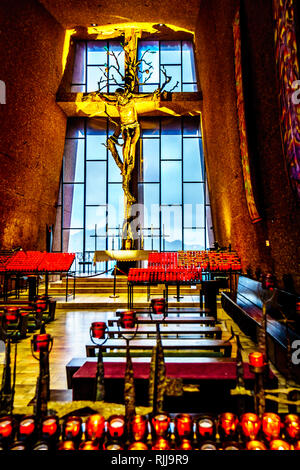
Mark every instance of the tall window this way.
pixel 174 211
pixel 176 58
pixel 92 59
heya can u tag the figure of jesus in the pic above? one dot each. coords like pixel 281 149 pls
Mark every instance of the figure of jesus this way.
pixel 129 127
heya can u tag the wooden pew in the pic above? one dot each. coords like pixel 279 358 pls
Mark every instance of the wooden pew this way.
pixel 245 308
pixel 167 344
pixel 148 330
pixel 174 320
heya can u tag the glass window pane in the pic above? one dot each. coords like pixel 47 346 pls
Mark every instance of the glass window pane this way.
pixel 171 190
pixel 73 205
pixel 189 87
pixel 96 53
pixel 96 182
pixel 75 128
pixel 194 239
pixel 79 63
pixel 147 88
pixel 149 127
pixel 114 173
pixel 77 88
pixel 95 147
pixel 171 226
pixel 95 216
pixel 193 198
pixel 171 139
pixel 188 63
pixel 73 168
pixel 149 199
pixel 94 74
pixel 115 205
pixel 192 169
pixel 149 161
pixel 191 126
pixel 170 52
pixel 73 241
pixel 173 71
pixel 149 52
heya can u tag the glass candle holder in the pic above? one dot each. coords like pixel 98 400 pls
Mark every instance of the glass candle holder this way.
pixel 161 444
pixel 185 444
pixel 50 427
pixel 89 445
pixel 138 446
pixel 66 445
pixel 250 425
pixel 6 427
pixel 94 427
pixel 160 425
pixel 228 423
pixel 255 445
pixel 72 429
pixel 205 428
pixel 98 329
pixel 139 428
pixel 278 444
pixel 183 425
pixel 116 426
pixel 271 426
pixel 27 427
pixel 256 359
pixel 292 427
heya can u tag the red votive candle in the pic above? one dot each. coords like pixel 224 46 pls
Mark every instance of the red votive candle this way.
pixel 292 426
pixel 250 424
pixel 138 446
pixel 271 425
pixel 127 319
pixel 161 424
pixel 116 426
pixel 26 426
pixel 73 428
pixel 139 427
pixel 98 329
pixel 228 424
pixel 6 427
pixel 161 444
pixel 208 446
pixel 66 445
pixel 185 444
pixel 50 426
pixel 256 359
pixel 94 427
pixel 255 445
pixel 89 445
pixel 205 428
pixel 158 305
pixel 278 444
pixel 41 342
pixel 11 314
pixel 183 425
pixel 113 446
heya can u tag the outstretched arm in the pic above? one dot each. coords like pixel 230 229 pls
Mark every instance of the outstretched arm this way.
pixel 103 97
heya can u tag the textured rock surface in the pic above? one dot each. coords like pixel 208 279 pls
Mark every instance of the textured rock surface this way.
pixel 32 125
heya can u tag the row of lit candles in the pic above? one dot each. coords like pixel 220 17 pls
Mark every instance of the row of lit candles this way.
pixel 206 433
pixel 174 274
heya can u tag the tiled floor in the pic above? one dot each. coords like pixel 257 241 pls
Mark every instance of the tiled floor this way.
pixel 70 331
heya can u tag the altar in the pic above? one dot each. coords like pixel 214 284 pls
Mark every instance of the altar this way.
pixel 121 255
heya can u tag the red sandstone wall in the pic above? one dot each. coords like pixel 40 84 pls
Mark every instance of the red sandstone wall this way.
pixel 281 223
pixel 32 127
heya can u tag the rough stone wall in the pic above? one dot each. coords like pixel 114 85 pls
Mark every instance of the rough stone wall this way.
pixel 215 59
pixel 32 127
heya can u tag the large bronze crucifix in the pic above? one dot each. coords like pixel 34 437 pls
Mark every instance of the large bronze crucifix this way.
pixel 125 100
